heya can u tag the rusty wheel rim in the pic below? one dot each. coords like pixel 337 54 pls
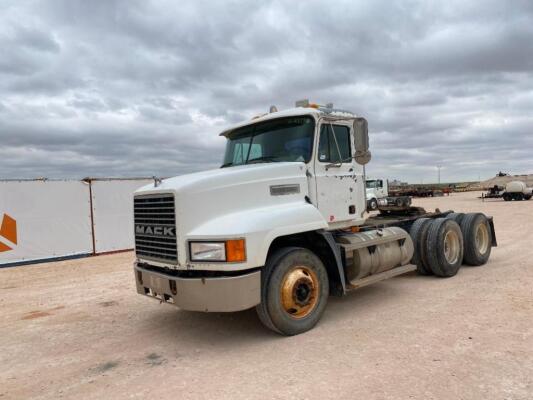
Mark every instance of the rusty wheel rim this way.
pixel 299 292
pixel 482 238
pixel 451 247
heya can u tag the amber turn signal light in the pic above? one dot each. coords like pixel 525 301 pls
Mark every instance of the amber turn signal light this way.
pixel 235 250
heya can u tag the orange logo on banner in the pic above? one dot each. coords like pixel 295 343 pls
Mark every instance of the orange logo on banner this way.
pixel 8 230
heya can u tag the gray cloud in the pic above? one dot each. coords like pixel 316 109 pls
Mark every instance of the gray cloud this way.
pixel 130 88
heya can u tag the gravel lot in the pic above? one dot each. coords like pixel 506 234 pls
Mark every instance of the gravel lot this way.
pixel 77 329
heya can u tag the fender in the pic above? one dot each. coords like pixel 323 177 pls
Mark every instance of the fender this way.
pixel 260 226
pixel 328 237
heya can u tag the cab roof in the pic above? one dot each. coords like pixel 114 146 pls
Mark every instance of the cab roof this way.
pixel 291 112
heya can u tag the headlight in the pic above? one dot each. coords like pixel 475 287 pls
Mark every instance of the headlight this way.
pixel 208 251
pixel 229 250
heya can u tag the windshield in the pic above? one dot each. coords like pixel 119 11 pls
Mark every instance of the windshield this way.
pixel 371 184
pixel 284 139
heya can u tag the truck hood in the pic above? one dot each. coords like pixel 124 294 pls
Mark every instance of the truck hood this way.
pixel 216 179
pixel 370 193
pixel 205 196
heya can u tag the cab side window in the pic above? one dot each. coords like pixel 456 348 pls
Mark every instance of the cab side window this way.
pixel 327 149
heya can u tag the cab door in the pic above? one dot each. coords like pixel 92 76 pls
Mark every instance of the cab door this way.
pixel 380 190
pixel 335 173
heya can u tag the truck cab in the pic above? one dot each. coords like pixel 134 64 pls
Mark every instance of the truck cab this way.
pixel 377 191
pixel 280 226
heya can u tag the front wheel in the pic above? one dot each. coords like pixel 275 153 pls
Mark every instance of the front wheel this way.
pixel 372 205
pixel 294 291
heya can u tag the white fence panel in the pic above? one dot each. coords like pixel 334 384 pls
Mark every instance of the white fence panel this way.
pixel 113 213
pixel 50 218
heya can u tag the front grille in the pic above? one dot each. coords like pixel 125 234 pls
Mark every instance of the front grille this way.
pixel 155 227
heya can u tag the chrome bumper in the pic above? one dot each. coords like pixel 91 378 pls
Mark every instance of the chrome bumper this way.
pixel 222 294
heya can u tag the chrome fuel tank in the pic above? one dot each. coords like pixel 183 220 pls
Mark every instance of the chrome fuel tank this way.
pixel 371 252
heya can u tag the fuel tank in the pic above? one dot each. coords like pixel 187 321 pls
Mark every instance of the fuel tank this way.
pixel 371 252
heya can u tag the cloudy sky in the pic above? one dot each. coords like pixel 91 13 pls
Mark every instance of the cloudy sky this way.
pixel 142 88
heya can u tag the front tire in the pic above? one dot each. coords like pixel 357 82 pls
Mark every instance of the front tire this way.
pixel 294 291
pixel 372 205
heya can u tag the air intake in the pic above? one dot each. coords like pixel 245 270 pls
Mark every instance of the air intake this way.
pixel 155 228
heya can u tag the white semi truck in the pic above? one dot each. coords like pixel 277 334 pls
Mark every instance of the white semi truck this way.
pixel 377 196
pixel 377 191
pixel 282 225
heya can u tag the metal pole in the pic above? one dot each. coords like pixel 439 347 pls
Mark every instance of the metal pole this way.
pixel 92 215
pixel 438 168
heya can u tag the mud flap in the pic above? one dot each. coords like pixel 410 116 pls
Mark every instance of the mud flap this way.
pixel 493 232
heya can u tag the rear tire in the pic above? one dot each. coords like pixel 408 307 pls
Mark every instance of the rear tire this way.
pixel 507 197
pixel 457 217
pixel 294 291
pixel 418 234
pixel 444 247
pixel 477 236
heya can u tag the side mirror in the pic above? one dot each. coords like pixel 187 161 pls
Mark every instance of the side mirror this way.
pixel 362 154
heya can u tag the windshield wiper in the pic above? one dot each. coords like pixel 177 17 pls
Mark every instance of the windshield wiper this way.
pixel 228 164
pixel 261 159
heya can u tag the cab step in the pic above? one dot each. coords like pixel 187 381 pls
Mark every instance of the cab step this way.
pixel 359 283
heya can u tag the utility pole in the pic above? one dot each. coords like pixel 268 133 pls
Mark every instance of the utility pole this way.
pixel 438 169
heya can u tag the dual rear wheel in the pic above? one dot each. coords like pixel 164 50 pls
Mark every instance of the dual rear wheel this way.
pixel 442 245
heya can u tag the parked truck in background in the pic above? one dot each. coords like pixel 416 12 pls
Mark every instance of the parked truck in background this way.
pixel 377 196
pixel 516 190
pixel 377 191
pixel 283 224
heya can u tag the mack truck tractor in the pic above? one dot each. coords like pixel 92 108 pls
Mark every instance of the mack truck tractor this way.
pixel 283 224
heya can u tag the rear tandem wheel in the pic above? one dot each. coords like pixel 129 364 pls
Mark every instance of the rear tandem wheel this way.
pixel 444 247
pixel 418 233
pixel 477 236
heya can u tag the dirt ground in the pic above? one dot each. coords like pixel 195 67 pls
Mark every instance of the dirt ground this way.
pixel 77 329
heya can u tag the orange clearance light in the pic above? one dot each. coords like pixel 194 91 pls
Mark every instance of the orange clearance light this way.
pixel 355 229
pixel 235 250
